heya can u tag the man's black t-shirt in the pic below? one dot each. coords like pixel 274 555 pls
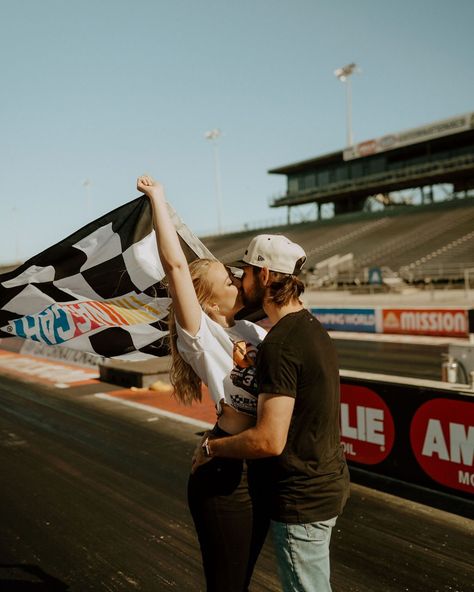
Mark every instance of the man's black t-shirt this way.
pixel 309 481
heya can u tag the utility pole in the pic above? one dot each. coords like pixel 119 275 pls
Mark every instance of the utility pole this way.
pixel 213 136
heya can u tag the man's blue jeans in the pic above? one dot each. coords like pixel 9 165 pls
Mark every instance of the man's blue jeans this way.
pixel 302 552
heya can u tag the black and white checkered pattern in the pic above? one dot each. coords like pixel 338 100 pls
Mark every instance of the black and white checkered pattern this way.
pixel 100 290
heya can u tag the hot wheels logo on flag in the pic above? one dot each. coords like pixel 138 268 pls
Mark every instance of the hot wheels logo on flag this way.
pixel 61 322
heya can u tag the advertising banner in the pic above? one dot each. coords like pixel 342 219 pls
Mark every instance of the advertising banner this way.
pixel 426 321
pixel 362 320
pixel 419 435
pixel 437 129
pixel 367 429
pixel 442 439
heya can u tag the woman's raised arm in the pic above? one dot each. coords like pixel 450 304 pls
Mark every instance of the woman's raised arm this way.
pixel 175 265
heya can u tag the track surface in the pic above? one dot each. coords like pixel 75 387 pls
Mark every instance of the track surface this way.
pixel 92 497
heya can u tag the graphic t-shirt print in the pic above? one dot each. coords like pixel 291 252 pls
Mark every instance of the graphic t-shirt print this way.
pixel 243 376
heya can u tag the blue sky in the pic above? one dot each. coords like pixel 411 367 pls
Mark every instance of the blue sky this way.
pixel 107 89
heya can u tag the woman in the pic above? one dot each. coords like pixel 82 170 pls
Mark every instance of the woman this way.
pixel 208 345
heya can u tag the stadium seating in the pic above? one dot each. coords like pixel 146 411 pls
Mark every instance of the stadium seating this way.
pixel 418 243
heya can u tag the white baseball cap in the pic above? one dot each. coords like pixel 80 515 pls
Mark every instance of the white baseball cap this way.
pixel 275 252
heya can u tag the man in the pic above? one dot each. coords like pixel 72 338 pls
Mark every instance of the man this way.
pixel 297 430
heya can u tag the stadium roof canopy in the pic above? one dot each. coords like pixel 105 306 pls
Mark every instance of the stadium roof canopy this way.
pixel 437 153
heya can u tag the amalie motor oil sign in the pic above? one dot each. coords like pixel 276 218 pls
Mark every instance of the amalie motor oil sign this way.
pixel 367 428
pixel 442 440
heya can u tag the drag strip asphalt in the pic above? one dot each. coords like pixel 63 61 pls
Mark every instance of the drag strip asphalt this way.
pixel 93 497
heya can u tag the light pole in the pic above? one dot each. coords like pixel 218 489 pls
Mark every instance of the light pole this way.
pixel 87 185
pixel 214 136
pixel 17 235
pixel 344 74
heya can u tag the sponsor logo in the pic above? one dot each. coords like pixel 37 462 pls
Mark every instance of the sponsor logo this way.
pixel 387 142
pixel 60 353
pixel 391 321
pixel 446 323
pixel 442 440
pixel 366 148
pixel 412 136
pixel 46 371
pixel 61 322
pixel 244 403
pixel 440 128
pixel 367 429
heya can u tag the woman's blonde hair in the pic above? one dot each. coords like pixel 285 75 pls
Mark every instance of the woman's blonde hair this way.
pixel 186 383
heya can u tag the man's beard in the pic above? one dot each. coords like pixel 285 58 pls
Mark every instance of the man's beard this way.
pixel 256 296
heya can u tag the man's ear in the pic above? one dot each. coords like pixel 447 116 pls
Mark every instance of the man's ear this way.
pixel 264 275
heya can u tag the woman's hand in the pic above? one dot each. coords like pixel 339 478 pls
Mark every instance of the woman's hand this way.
pixel 150 187
pixel 186 305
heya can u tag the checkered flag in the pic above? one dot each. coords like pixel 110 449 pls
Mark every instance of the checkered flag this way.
pixel 100 290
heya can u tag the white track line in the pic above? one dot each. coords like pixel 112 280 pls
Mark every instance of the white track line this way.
pixel 155 411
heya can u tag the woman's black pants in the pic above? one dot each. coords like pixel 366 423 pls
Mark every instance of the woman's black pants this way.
pixel 231 522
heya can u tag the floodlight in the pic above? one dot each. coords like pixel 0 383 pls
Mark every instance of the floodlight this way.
pixel 344 74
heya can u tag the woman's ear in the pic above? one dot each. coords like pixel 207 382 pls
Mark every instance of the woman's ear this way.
pixel 213 307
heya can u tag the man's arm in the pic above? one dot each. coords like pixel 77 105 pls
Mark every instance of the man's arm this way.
pixel 267 438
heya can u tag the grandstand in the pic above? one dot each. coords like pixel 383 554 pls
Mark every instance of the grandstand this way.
pixel 430 242
pixel 417 159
